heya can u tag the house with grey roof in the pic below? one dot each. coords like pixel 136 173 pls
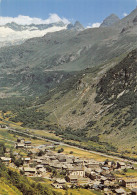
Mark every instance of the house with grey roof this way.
pixel 93 165
pixel 134 191
pixel 129 183
pixel 120 191
pixel 26 160
pixel 28 171
pixel 5 160
pixel 19 145
pixel 59 183
pixel 72 179
pixel 76 171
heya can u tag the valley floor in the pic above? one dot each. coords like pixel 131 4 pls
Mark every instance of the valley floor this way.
pixel 46 151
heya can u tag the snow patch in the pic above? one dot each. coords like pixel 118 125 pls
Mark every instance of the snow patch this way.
pixel 120 94
pixel 7 34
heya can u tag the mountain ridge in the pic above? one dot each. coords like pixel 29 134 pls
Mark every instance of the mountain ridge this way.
pixel 13 33
pixel 110 20
pixel 66 50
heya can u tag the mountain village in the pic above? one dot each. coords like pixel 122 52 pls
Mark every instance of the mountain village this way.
pixel 69 171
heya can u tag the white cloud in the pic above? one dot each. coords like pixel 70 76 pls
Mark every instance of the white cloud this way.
pixel 94 25
pixel 0 1
pixel 125 14
pixel 26 20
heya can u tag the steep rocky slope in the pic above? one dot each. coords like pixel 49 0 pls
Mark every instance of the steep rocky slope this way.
pixel 99 102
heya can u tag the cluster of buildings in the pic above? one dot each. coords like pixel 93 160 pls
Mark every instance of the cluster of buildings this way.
pixel 42 160
pixel 21 143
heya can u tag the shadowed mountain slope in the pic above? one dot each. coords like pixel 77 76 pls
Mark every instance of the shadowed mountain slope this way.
pixel 97 103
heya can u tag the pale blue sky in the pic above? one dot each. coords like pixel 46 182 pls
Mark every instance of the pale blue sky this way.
pixel 86 11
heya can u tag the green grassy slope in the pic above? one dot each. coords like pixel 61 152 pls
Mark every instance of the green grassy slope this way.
pixel 96 104
pixel 11 182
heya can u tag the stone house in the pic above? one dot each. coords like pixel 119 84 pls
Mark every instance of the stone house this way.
pixel 42 170
pixel 26 160
pixel 19 145
pixel 46 162
pixel 110 164
pixel 27 144
pixel 52 157
pixel 134 191
pixel 129 183
pixel 93 165
pixel 69 161
pixel 50 153
pixel 55 161
pixel 78 162
pixel 67 166
pixel 28 171
pixel 39 161
pixel 120 191
pixel 72 179
pixel 62 158
pixel 71 157
pixel 39 166
pixel 103 179
pixel 93 175
pixel 87 172
pixel 6 160
pixel 76 171
pixel 59 183
pixel 55 165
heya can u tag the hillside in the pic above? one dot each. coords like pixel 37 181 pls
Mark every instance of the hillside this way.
pixel 67 50
pixel 11 182
pixel 80 85
pixel 96 104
